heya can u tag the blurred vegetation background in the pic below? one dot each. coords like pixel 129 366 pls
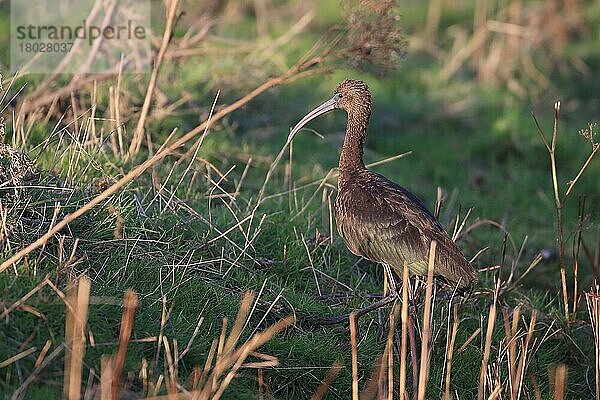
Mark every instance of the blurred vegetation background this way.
pixel 454 83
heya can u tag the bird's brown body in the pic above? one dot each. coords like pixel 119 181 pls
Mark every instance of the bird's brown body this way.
pixel 385 223
pixel 378 219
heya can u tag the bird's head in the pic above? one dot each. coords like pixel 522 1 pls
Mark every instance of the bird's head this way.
pixel 350 95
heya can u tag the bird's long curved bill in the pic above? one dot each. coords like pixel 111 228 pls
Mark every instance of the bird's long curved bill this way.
pixel 329 105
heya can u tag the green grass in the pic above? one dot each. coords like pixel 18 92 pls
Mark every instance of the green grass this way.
pixel 475 141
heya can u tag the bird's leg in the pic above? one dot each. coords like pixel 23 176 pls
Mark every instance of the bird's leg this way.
pixel 392 292
pixel 392 295
pixel 344 318
pixel 392 288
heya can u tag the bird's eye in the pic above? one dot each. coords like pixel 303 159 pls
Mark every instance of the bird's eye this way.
pixel 339 96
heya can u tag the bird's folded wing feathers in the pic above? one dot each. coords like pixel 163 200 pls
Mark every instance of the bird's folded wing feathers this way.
pixel 397 228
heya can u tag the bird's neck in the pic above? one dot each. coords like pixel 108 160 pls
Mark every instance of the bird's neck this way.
pixel 351 159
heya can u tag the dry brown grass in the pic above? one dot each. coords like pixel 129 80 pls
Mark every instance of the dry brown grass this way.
pixel 593 303
pixel 209 382
pixel 500 45
pixel 136 141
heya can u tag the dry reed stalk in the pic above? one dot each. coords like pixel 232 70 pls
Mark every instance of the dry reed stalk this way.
pixel 69 300
pixel 510 345
pixel 520 372
pixel 38 100
pixel 426 331
pixel 536 260
pixel 494 395
pixel 537 395
pixel 42 354
pixel 560 382
pixel 488 342
pixel 236 359
pixel 67 59
pixel 195 377
pixel 240 321
pixel 164 316
pixel 593 303
pixel 177 396
pixel 458 58
pixel 130 304
pixel 75 120
pixel 404 339
pixel 78 296
pixel 261 383
pixel 211 383
pixel 23 299
pixel 511 332
pixel 333 372
pixel 171 381
pixel 450 353
pixel 412 340
pixel 60 294
pixel 189 345
pixel 299 70
pixel 434 14
pixel 380 382
pixel 312 265
pixel 108 15
pixel 55 213
pixel 111 111
pixel 322 185
pixel 354 355
pixel 269 361
pixel 374 388
pixel 559 204
pixel 390 351
pixel 222 336
pixel 157 385
pixel 576 248
pixel 376 385
pixel 143 375
pixel 207 364
pixel 20 392
pixel 106 377
pixel 551 148
pixel 595 148
pixel 439 201
pixel 17 357
pixel 136 141
pixel 480 16
pixel 459 228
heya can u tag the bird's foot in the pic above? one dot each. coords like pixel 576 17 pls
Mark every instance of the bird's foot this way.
pixel 359 313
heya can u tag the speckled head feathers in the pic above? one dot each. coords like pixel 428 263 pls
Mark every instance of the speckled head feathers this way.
pixel 352 84
pixel 353 94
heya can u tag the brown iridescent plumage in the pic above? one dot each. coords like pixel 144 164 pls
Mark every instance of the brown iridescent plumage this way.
pixel 378 219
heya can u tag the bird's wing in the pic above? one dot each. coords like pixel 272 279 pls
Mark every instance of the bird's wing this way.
pixel 388 224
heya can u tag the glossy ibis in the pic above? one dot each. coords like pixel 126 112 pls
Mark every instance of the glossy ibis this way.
pixel 379 219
